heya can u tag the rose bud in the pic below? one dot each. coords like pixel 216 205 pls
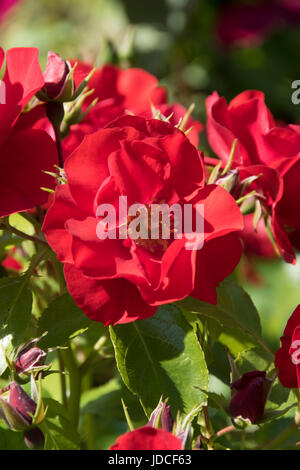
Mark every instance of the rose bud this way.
pixel 34 439
pixel 18 409
pixel 198 444
pixel 249 396
pixel 59 84
pixel 28 360
pixel 161 417
pixel 229 181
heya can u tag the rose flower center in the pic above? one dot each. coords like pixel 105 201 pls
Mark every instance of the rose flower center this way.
pixel 152 227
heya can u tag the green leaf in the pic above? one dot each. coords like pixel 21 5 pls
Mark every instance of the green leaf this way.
pixel 11 440
pixel 59 433
pixel 237 316
pixel 15 309
pixel 218 401
pixel 255 358
pixel 161 356
pixel 105 401
pixel 270 415
pixel 108 418
pixel 21 223
pixel 63 320
pixel 280 396
pixel 280 401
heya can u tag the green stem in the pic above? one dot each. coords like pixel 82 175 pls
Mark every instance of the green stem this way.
pixel 243 198
pixel 89 425
pixel 230 159
pixel 74 384
pixel 207 422
pixel 128 419
pixel 63 386
pixel 85 366
pixel 32 238
pixel 35 261
pixel 89 431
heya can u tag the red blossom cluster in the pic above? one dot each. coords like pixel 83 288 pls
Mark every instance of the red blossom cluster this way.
pixel 122 138
pixel 266 152
pixel 94 136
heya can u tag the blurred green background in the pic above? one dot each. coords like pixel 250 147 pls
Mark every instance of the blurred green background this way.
pixel 177 40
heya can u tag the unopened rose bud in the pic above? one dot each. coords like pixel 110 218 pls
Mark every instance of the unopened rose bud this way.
pixel 29 360
pixel 198 444
pixel 59 86
pixel 18 409
pixel 161 417
pixel 229 181
pixel 167 420
pixel 34 439
pixel 22 403
pixel 59 83
pixel 249 396
pixel 57 71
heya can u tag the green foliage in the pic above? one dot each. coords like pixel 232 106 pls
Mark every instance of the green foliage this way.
pixel 105 401
pixel 161 356
pixel 237 320
pixel 8 240
pixel 11 440
pixel 180 353
pixel 15 310
pixel 62 321
pixel 59 433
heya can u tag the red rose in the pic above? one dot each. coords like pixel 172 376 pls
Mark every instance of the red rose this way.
pixel 121 280
pixel 147 438
pixel 247 118
pixel 262 148
pixel 270 185
pixel 288 207
pixel 22 161
pixel 133 89
pixel 287 358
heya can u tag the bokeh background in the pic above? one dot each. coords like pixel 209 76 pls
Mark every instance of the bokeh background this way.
pixel 194 47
